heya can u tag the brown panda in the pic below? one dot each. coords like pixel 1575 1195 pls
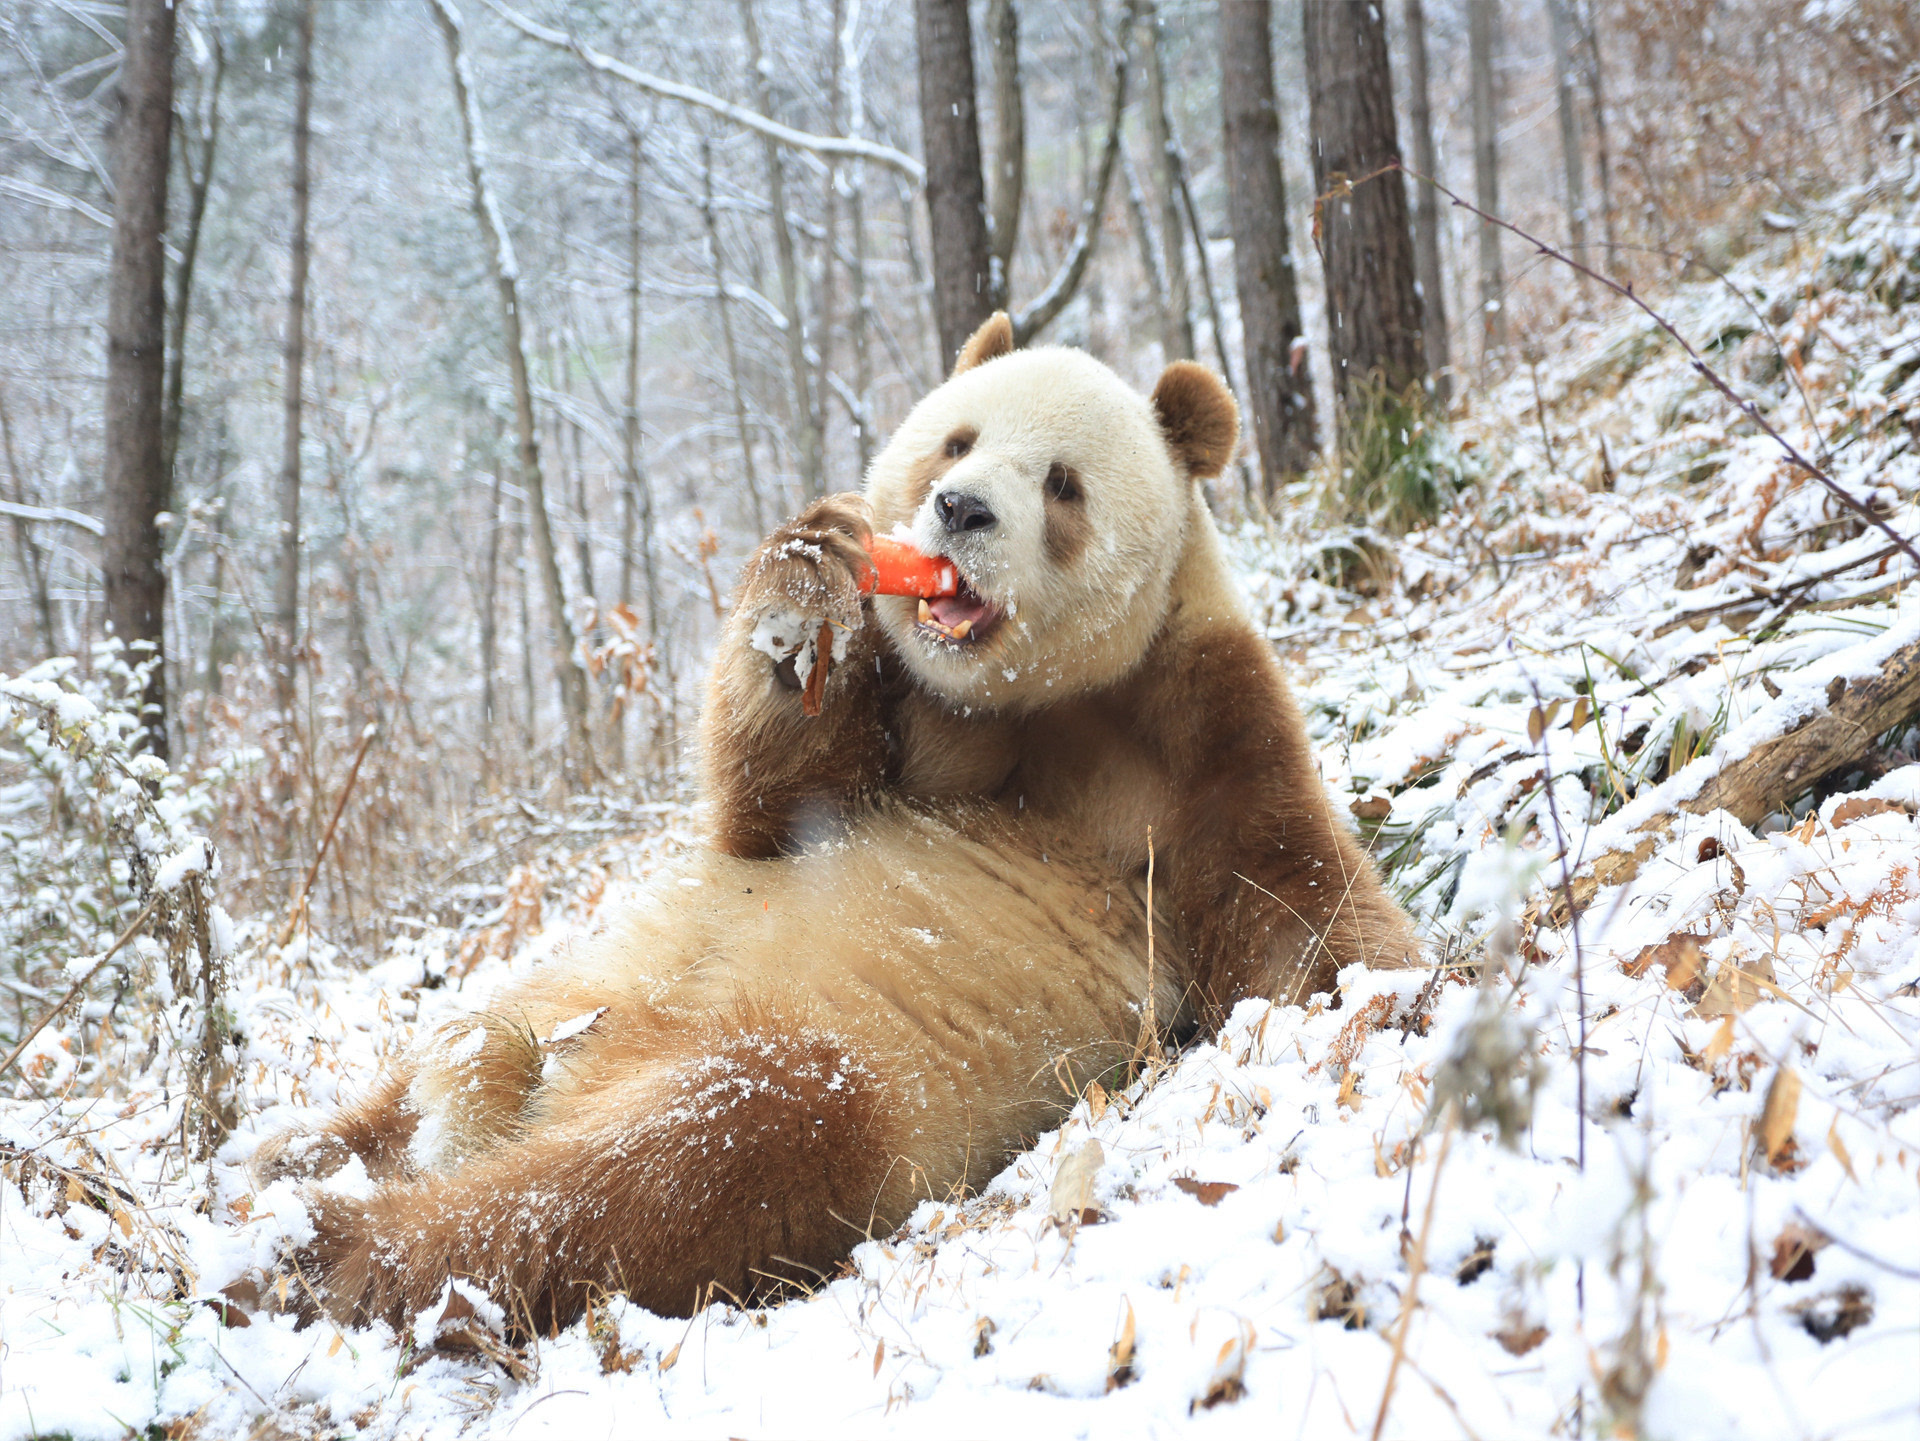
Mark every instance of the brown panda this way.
pixel 921 920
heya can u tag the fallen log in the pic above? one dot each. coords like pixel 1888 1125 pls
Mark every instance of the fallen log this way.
pixel 1769 776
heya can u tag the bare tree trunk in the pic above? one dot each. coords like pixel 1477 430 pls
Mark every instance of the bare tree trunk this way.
pixel 522 542
pixel 506 274
pixel 490 618
pixel 1009 143
pixel 286 608
pixel 963 291
pixel 1279 390
pixel 1426 207
pixel 136 473
pixel 639 488
pixel 1482 40
pixel 1143 233
pixel 857 258
pixel 1571 161
pixel 1597 105
pixel 1366 245
pixel 199 182
pixel 1177 328
pixel 806 407
pixel 33 559
pixel 735 385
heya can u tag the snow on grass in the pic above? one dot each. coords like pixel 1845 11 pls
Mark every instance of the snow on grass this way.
pixel 1720 1241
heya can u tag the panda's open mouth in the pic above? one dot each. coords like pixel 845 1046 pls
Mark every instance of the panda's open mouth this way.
pixel 964 618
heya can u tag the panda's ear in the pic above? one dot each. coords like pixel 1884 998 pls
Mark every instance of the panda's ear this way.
pixel 993 339
pixel 1198 417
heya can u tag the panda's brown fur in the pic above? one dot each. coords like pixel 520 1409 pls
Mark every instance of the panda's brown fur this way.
pixel 920 923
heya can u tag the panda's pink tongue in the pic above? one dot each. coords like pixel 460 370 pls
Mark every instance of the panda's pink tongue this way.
pixel 952 610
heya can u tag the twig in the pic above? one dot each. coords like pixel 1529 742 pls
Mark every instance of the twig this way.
pixel 79 985
pixel 1700 366
pixel 1416 1268
pixel 353 773
pixel 1148 1042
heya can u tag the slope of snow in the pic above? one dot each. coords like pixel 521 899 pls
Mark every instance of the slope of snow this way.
pixel 1658 1169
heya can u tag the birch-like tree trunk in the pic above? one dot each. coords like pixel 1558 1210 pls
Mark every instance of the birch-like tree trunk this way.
pixel 199 175
pixel 1009 143
pixel 1572 163
pixel 1426 206
pixel 32 555
pixel 963 290
pixel 286 589
pixel 1175 305
pixel 1279 391
pixel 1597 109
pixel 506 276
pixel 135 476
pixel 1483 40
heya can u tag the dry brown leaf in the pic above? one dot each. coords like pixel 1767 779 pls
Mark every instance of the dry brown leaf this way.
pixel 1793 1251
pixel 1096 1095
pixel 338 1342
pixel 1207 1193
pixel 1862 806
pixel 1120 1353
pixel 1720 1043
pixel 1582 709
pixel 1072 1193
pixel 879 1355
pixel 1839 1149
pixel 1228 1382
pixel 1678 956
pixel 1349 1095
pixel 1517 1338
pixel 1372 808
pixel 1735 988
pixel 1777 1116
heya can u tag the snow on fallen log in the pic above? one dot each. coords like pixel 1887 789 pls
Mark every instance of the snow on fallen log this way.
pixel 1827 719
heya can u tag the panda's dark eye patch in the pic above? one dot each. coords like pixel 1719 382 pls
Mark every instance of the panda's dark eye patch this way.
pixel 960 442
pixel 1062 482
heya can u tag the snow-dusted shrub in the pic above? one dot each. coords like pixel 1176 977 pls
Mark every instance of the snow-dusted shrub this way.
pixel 98 838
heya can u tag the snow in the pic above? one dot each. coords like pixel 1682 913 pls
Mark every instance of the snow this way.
pixel 1263 1204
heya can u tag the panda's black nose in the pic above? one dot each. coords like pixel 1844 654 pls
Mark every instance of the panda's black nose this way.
pixel 962 512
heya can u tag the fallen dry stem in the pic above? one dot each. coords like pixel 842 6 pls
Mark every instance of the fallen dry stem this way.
pixel 60 1005
pixel 1416 1267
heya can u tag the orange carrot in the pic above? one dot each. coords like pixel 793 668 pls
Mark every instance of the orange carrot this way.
pixel 899 569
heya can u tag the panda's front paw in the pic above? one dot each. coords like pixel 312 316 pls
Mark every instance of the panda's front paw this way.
pixel 803 588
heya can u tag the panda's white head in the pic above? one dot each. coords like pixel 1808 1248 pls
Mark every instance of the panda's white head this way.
pixel 1063 497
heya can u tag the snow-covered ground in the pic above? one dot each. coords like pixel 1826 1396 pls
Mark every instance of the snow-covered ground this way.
pixel 1656 1169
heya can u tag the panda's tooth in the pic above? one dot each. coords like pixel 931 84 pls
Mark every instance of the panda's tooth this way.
pixel 962 630
pixel 926 612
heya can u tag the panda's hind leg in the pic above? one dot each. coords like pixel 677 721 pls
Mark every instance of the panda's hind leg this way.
pixel 740 1155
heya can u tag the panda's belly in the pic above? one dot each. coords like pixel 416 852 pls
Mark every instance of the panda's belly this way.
pixel 937 931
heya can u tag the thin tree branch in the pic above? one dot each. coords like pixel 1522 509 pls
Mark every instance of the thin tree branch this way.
pixel 1706 372
pixel 853 149
pixel 1086 237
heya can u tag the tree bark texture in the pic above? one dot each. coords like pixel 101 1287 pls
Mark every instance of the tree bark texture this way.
pixel 956 192
pixel 286 590
pixel 1175 304
pixel 1426 206
pixel 736 385
pixel 568 669
pixel 1597 108
pixel 806 407
pixel 136 472
pixel 1009 142
pixel 199 182
pixel 1279 390
pixel 1483 23
pixel 1572 163
pixel 1366 245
